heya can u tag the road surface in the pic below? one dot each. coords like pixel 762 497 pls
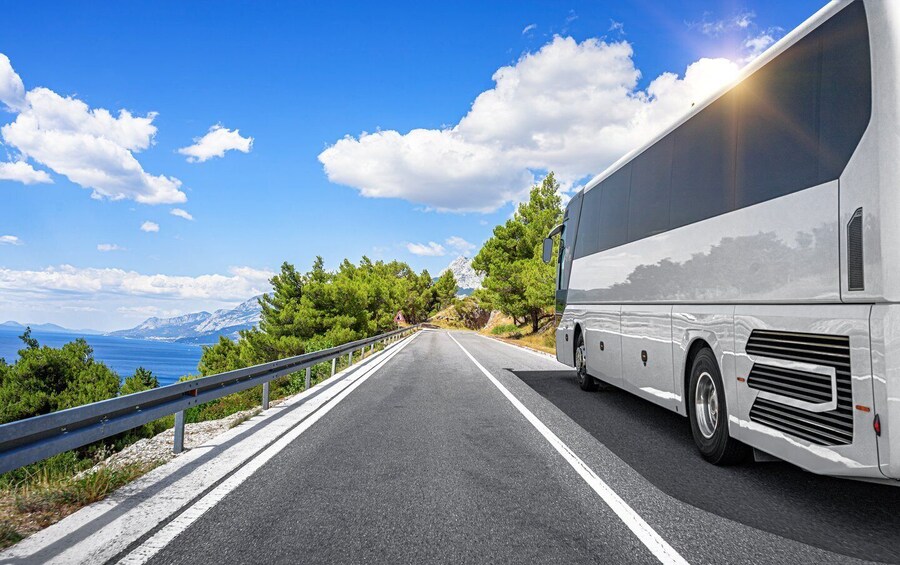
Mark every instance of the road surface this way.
pixel 454 448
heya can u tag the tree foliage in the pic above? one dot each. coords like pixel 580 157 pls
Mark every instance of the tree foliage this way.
pixel 517 281
pixel 45 379
pixel 321 309
pixel 445 290
pixel 142 379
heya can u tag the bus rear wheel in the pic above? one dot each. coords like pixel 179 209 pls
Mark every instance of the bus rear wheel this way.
pixel 709 414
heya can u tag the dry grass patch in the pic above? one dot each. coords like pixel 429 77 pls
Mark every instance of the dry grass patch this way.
pixel 39 502
pixel 502 327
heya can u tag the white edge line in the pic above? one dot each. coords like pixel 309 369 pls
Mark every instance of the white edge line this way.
pixel 644 532
pixel 170 531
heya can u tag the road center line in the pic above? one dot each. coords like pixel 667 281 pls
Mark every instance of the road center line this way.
pixel 644 532
pixel 164 536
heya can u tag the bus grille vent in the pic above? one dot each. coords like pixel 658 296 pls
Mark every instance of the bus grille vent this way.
pixel 823 428
pixel 855 274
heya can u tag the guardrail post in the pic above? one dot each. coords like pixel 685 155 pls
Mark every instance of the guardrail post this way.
pixel 333 362
pixel 178 445
pixel 265 402
pixel 349 358
pixel 307 378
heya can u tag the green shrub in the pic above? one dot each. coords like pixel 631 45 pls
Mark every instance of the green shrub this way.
pixel 505 329
pixel 8 534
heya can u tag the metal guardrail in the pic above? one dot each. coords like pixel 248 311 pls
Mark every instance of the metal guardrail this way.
pixel 26 441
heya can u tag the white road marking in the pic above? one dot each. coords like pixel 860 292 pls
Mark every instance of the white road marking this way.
pixel 644 532
pixel 170 531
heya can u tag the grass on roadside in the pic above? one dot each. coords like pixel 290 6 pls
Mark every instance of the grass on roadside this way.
pixel 45 498
pixel 507 330
pixel 504 328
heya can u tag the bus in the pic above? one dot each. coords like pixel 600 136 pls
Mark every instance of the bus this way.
pixel 743 267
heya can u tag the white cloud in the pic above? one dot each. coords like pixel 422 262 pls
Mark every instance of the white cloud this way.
pixel 150 227
pixel 109 299
pixel 430 249
pixel 181 213
pixel 460 245
pixel 12 90
pixel 528 28
pixel 570 107
pixel 754 46
pixel 215 143
pixel 714 28
pixel 10 240
pixel 90 146
pixel 106 247
pixel 242 283
pixel 24 173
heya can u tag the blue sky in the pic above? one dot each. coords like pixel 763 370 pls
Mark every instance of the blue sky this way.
pixel 297 78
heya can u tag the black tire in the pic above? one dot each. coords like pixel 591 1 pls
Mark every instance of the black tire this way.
pixel 709 423
pixel 585 381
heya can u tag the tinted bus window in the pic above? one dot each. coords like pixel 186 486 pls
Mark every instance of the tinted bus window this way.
pixel 588 228
pixel 703 164
pixel 777 144
pixel 845 103
pixel 614 208
pixel 648 202
pixel 567 242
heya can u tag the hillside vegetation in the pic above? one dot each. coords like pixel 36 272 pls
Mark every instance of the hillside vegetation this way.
pixel 516 300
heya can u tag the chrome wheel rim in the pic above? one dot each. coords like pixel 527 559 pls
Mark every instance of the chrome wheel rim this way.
pixel 581 363
pixel 706 405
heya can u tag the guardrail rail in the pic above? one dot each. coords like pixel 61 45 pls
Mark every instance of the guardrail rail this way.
pixel 30 440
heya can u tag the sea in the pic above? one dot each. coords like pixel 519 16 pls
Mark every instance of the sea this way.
pixel 167 361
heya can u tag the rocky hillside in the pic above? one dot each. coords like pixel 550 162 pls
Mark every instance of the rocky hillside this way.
pixel 467 279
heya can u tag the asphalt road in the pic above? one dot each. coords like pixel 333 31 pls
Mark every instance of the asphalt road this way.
pixel 428 461
pixel 848 517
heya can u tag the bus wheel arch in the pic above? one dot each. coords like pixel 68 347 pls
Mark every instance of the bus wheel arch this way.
pixel 579 355
pixel 576 333
pixel 585 381
pixel 696 346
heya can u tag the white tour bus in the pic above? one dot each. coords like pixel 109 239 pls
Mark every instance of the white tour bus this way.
pixel 743 268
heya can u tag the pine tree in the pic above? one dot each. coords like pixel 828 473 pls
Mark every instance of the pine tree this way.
pixel 517 281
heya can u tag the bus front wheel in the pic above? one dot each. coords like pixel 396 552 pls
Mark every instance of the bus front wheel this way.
pixel 585 381
pixel 709 414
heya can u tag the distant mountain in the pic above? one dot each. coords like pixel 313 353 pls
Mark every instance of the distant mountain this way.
pixel 48 328
pixel 198 327
pixel 467 279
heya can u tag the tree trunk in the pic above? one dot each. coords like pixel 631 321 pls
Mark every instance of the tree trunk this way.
pixel 535 319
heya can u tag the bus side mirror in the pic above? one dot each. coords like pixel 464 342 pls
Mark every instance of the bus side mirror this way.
pixel 548 249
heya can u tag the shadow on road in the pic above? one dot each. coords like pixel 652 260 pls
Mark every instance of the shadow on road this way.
pixel 848 517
